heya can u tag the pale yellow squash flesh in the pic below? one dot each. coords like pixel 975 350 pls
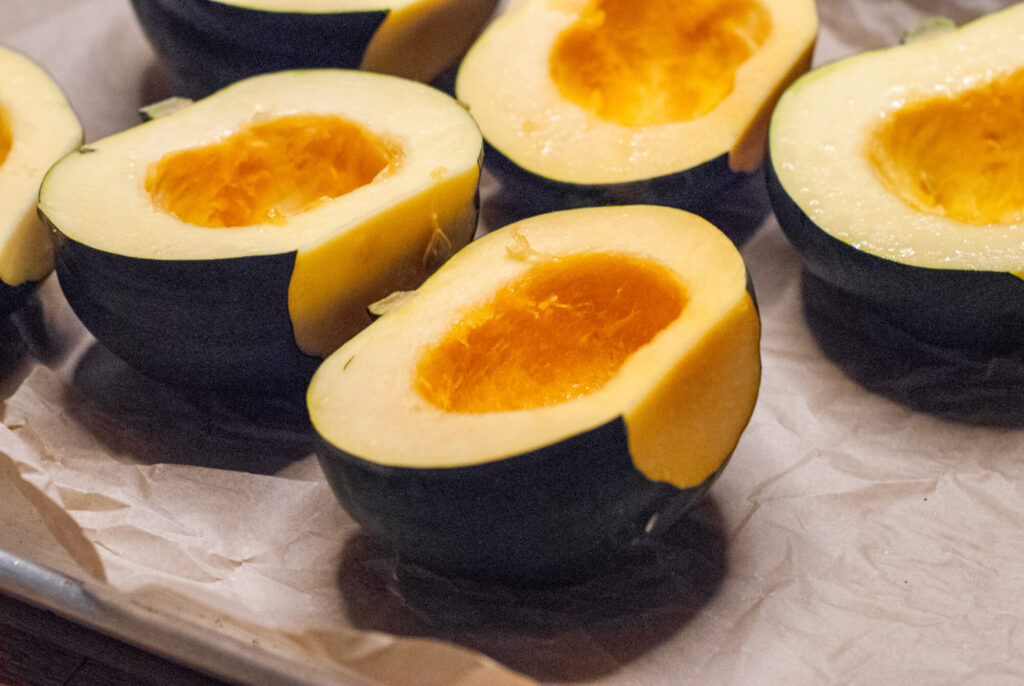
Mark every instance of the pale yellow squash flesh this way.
pixel 422 38
pixel 395 248
pixel 694 410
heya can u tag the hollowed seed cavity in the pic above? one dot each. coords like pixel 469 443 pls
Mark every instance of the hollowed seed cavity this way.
pixel 658 61
pixel 6 138
pixel 269 171
pixel 961 157
pixel 559 332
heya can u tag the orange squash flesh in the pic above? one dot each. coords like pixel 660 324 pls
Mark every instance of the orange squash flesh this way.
pixel 6 139
pixel 557 333
pixel 960 157
pixel 269 171
pixel 656 62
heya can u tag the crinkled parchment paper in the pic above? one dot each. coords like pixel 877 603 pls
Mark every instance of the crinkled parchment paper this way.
pixel 851 540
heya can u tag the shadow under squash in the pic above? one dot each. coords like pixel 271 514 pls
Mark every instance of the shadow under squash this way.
pixel 14 351
pixel 25 338
pixel 566 633
pixel 155 421
pixel 948 383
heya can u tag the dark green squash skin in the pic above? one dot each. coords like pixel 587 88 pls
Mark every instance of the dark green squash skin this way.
pixel 554 515
pixel 214 324
pixel 207 45
pixel 977 311
pixel 735 202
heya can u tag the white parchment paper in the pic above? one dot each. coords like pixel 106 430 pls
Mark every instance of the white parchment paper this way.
pixel 851 540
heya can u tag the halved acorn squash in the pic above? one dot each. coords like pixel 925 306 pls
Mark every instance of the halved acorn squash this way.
pixel 37 126
pixel 897 173
pixel 237 241
pixel 552 389
pixel 207 44
pixel 592 102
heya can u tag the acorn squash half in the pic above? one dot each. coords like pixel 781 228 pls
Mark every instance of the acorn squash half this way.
pixel 207 44
pixel 37 127
pixel 593 102
pixel 237 241
pixel 551 390
pixel 897 175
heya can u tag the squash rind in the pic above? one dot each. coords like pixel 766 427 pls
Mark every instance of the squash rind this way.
pixel 551 492
pixel 945 282
pixel 734 201
pixel 556 155
pixel 569 508
pixel 958 308
pixel 208 45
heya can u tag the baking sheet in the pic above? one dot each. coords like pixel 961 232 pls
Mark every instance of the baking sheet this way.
pixel 851 540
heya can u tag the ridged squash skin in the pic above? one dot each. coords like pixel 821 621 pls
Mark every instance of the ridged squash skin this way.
pixel 37 126
pixel 947 281
pixel 553 149
pixel 207 44
pixel 256 304
pixel 552 493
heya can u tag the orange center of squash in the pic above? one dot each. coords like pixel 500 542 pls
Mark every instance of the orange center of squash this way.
pixel 961 156
pixel 557 333
pixel 269 171
pixel 6 139
pixel 658 61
